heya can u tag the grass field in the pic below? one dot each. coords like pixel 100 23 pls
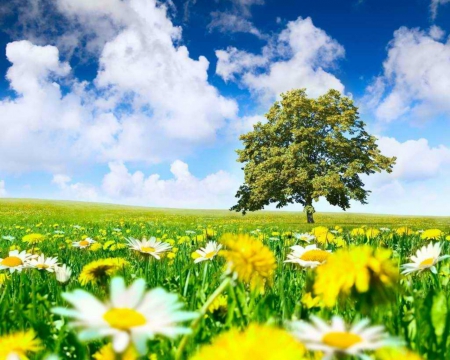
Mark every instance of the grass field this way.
pixel 248 301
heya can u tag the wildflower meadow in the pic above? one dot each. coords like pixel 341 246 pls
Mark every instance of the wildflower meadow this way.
pixel 81 281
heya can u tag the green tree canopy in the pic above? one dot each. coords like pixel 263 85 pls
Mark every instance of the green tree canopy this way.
pixel 308 148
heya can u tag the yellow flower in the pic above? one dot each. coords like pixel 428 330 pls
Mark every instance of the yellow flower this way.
pixel 17 345
pixel 447 238
pixel 323 235
pixel 95 247
pixel 372 233
pixel 209 233
pixel 358 269
pixel 219 305
pixel 431 234
pixel 107 353
pixel 98 270
pixel 252 261
pixel 33 238
pixel 256 342
pixel 357 232
pixel 3 278
pixel 404 230
pixel 309 301
pixel 396 354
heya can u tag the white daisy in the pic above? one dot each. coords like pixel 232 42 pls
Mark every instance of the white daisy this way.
pixel 82 244
pixel 131 316
pixel 59 232
pixel 8 237
pixel 339 338
pixel 63 273
pixel 150 246
pixel 78 227
pixel 385 229
pixel 16 261
pixel 117 230
pixel 309 256
pixel 44 263
pixel 208 252
pixel 304 237
pixel 426 258
pixel 190 232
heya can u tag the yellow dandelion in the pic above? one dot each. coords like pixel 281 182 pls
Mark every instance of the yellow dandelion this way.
pixel 3 278
pixel 17 345
pixel 357 269
pixel 209 233
pixel 431 234
pixel 256 342
pixel 310 301
pixel 372 233
pixel 249 259
pixel 97 271
pixel 33 238
pixel 404 230
pixel 219 306
pixel 357 232
pixel 95 247
pixel 395 354
pixel 107 353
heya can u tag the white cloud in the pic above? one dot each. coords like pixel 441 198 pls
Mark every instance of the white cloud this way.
pixel 295 58
pixel 416 77
pixel 435 5
pixel 150 101
pixel 74 191
pixel 183 190
pixel 232 23
pixel 3 192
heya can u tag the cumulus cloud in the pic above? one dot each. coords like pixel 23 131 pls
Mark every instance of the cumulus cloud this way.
pixel 297 57
pixel 150 101
pixel 183 190
pixel 3 192
pixel 415 79
pixel 75 191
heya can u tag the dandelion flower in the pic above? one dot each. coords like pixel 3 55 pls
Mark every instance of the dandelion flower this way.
pixel 358 269
pixel 340 339
pixel 16 346
pixel 255 342
pixel 107 353
pixel 431 234
pixel 82 244
pixel 404 230
pixel 151 246
pixel 63 273
pixel 33 239
pixel 304 237
pixel 249 259
pixel 97 271
pixel 44 263
pixel 358 232
pixel 130 316
pixel 426 258
pixel 309 256
pixel 208 252
pixel 16 261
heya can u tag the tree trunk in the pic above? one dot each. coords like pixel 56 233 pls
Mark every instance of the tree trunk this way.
pixel 309 210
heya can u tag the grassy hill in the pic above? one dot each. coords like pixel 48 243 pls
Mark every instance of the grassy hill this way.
pixel 32 211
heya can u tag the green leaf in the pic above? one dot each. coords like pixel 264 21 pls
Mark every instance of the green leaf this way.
pixel 439 311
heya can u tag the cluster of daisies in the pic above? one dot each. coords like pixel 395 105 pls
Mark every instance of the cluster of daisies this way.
pixel 17 261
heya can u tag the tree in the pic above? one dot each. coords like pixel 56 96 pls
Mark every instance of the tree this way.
pixel 307 149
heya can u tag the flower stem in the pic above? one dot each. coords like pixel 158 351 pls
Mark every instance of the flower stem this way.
pixel 202 313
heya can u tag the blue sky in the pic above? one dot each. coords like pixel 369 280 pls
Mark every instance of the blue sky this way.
pixel 142 102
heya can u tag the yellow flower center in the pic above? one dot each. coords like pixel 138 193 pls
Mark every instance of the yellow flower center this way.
pixel 84 243
pixel 341 339
pixel 147 249
pixel 12 261
pixel 315 255
pixel 427 262
pixel 124 318
pixel 210 254
pixel 42 266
